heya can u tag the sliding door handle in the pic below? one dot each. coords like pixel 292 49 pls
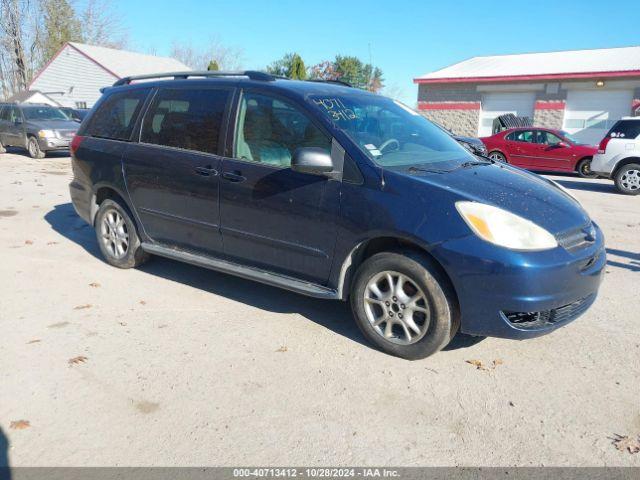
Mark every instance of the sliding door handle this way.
pixel 235 177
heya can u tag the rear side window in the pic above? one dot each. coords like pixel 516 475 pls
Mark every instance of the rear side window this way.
pixel 522 136
pixel 189 119
pixel 117 115
pixel 628 129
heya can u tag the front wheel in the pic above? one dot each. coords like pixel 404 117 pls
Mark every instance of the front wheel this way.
pixel 628 179
pixel 403 304
pixel 117 236
pixel 498 157
pixel 584 168
pixel 34 148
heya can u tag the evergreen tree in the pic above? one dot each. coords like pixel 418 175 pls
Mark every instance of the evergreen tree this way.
pixel 61 25
pixel 213 66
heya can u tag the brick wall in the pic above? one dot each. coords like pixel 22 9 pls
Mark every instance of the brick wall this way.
pixel 460 122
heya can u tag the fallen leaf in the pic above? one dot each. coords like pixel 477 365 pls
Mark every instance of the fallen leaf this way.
pixel 629 444
pixel 94 284
pixel 52 243
pixel 20 424
pixel 122 324
pixel 34 341
pixel 28 242
pixel 476 363
pixel 77 360
pixel 142 302
pixel 83 307
pixel 480 366
pixel 282 349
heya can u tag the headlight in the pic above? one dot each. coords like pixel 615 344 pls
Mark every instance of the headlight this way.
pixel 46 134
pixel 504 228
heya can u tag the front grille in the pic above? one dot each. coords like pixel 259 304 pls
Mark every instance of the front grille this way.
pixel 547 318
pixel 578 238
pixel 66 133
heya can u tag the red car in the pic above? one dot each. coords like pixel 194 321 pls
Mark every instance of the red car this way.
pixel 541 149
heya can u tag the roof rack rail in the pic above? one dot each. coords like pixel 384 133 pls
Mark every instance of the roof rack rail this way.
pixel 338 82
pixel 253 75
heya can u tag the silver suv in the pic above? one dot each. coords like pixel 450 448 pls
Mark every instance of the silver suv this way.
pixel 618 156
pixel 38 128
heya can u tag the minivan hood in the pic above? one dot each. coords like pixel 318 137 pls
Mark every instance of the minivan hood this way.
pixel 523 193
pixel 53 124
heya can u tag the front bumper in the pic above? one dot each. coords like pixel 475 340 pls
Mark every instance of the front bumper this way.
pixel 54 143
pixel 521 295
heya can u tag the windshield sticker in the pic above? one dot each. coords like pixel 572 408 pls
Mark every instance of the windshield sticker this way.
pixel 336 108
pixel 405 108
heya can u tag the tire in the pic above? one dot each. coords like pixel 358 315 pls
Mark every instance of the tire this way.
pixel 435 315
pixel 117 236
pixel 34 149
pixel 497 156
pixel 583 168
pixel 627 179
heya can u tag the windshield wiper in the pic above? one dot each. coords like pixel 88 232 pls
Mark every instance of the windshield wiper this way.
pixel 427 170
pixel 474 164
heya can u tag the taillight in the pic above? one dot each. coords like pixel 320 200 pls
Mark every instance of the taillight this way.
pixel 75 143
pixel 603 145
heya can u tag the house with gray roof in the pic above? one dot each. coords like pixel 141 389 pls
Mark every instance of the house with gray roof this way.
pixel 75 75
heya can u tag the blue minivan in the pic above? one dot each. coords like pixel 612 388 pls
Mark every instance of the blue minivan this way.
pixel 336 193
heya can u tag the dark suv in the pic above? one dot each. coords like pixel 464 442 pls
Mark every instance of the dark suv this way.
pixel 336 193
pixel 38 128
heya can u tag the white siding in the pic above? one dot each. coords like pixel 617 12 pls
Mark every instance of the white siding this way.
pixel 40 98
pixel 77 78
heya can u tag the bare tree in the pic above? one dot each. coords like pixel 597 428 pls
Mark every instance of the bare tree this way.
pixel 16 44
pixel 102 25
pixel 227 58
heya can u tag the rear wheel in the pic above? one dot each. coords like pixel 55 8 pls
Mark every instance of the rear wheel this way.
pixel 584 168
pixel 403 304
pixel 498 157
pixel 34 148
pixel 628 179
pixel 117 236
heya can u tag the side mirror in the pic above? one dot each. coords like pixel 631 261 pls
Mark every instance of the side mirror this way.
pixel 563 144
pixel 311 160
pixel 18 121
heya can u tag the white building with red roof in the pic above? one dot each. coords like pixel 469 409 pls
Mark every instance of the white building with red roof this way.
pixel 582 91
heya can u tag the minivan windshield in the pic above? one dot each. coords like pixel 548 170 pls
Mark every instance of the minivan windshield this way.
pixel 43 113
pixel 392 134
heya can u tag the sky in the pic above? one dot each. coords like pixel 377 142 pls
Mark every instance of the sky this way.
pixel 405 38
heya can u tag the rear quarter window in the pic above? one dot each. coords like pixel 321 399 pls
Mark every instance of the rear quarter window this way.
pixel 117 114
pixel 625 129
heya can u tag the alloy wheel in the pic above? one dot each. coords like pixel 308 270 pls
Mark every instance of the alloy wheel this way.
pixel 114 234
pixel 396 308
pixel 631 180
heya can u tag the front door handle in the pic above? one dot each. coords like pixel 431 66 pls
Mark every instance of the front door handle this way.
pixel 235 177
pixel 206 171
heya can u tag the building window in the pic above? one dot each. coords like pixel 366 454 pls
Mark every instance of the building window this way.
pixel 81 104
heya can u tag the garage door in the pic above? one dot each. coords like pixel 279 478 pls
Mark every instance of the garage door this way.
pixel 496 104
pixel 590 114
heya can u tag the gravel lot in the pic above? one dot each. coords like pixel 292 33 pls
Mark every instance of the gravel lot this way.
pixel 175 365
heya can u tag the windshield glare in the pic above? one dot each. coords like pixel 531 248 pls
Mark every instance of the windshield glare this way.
pixel 44 113
pixel 390 133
